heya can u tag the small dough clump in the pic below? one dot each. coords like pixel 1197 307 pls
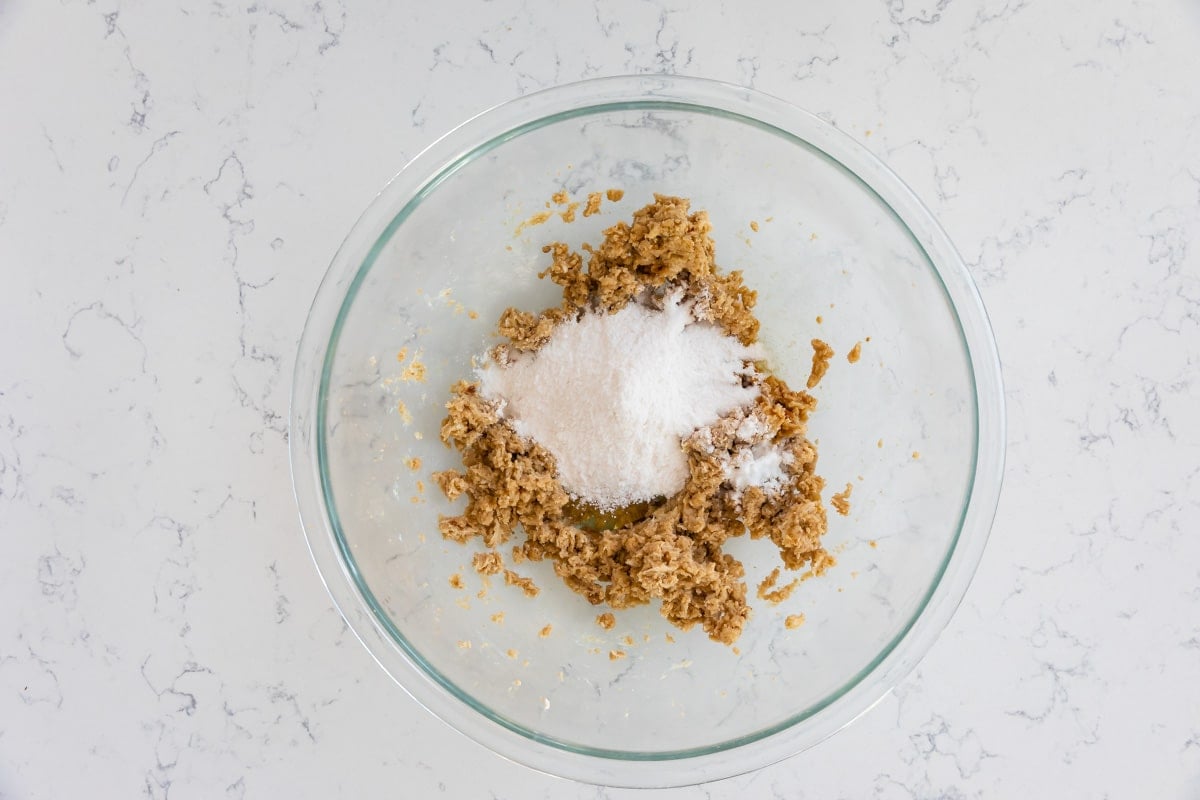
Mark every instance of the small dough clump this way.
pixel 841 500
pixel 822 354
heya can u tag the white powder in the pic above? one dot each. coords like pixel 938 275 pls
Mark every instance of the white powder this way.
pixel 761 465
pixel 611 396
pixel 750 429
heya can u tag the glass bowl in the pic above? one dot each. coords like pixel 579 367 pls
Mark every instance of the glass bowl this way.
pixel 843 251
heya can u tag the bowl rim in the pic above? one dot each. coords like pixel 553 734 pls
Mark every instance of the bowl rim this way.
pixel 364 615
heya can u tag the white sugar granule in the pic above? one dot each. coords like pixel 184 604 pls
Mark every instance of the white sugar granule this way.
pixel 611 396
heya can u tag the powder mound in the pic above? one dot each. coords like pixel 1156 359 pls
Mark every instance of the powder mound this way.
pixel 652 347
pixel 611 396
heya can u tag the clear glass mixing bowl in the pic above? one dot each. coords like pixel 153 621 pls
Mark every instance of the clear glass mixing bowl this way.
pixel 916 425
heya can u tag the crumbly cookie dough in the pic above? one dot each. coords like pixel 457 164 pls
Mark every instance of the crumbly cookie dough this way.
pixel 526 584
pixel 673 551
pixel 768 592
pixel 841 500
pixel 822 355
pixel 488 563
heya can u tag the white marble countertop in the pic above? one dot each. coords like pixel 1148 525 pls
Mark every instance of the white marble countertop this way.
pixel 174 178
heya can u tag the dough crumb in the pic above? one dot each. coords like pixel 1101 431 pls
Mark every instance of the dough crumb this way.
pixel 819 566
pixel 402 410
pixel 627 640
pixel 616 655
pixel 873 544
pixel 413 463
pixel 544 633
pixel 415 371
pixel 498 618
pixel 456 581
pixel 569 214
pixel 793 621
pixel 670 639
pixel 403 354
pixel 593 204
pixel 879 444
pixel 778 595
pixel 841 500
pixel 561 197
pixel 464 644
pixel 819 319
pixel 916 455
pixel 754 226
pixel 822 353
pixel 511 653
pixel 451 482
pixel 536 219
pixel 768 583
pixel 782 593
pixel 855 353
pixel 526 584
pixel 607 620
pixel 615 194
pixel 488 563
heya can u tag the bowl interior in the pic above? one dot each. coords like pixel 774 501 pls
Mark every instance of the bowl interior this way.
pixel 899 425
